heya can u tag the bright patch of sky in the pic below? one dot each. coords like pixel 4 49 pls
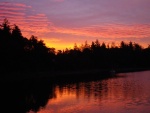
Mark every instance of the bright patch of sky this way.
pixel 65 22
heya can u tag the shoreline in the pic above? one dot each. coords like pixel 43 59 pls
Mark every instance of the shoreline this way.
pixel 94 74
pixel 127 70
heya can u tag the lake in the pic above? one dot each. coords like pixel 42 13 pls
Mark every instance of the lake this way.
pixel 127 93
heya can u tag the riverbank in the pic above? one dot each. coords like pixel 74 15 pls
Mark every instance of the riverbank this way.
pixel 92 74
pixel 57 75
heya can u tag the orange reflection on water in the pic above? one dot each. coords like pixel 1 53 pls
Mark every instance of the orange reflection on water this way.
pixel 127 94
pixel 69 99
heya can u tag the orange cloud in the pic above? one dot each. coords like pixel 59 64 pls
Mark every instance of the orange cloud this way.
pixel 38 24
pixel 29 24
pixel 110 30
pixel 14 4
pixel 105 33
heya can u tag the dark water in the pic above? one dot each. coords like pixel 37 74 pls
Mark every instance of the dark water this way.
pixel 128 93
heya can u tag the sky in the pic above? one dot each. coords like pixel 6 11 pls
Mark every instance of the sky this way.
pixel 62 23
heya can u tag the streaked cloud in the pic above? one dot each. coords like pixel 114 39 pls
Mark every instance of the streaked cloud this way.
pixel 109 30
pixel 30 24
pixel 65 22
pixel 58 0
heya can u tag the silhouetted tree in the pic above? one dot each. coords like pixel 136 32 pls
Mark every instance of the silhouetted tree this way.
pixel 103 46
pixel 18 53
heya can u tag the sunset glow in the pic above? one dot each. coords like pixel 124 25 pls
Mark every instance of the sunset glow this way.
pixel 100 96
pixel 61 23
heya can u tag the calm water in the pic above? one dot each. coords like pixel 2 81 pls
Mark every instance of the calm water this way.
pixel 129 93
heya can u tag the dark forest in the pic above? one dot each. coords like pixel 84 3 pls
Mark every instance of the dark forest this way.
pixel 21 54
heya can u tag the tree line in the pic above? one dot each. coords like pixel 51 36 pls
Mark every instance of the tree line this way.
pixel 18 53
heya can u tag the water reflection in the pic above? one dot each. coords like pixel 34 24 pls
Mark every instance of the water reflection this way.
pixel 127 94
pixel 21 97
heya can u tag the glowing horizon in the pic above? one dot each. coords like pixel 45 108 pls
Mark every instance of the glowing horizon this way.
pixel 62 23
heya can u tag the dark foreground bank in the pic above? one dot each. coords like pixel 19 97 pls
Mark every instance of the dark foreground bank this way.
pixel 59 76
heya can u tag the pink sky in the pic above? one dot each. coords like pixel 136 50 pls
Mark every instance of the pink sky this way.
pixel 61 23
